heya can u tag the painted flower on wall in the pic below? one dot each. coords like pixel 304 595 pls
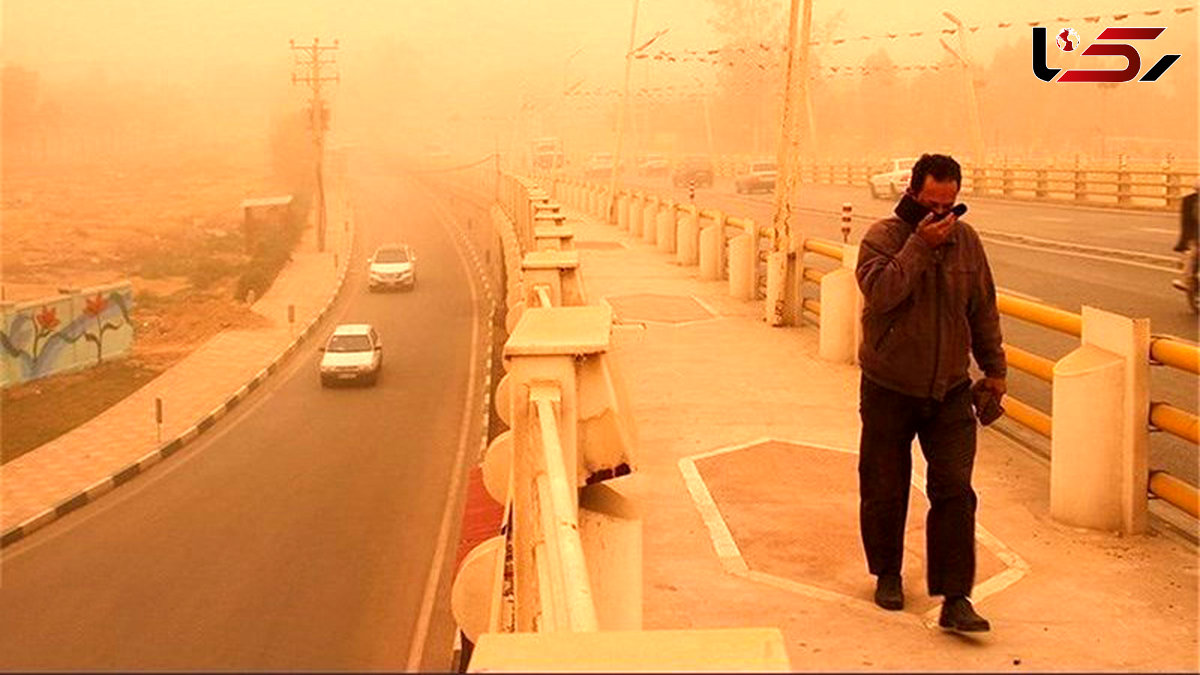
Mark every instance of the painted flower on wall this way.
pixel 47 319
pixel 46 322
pixel 94 307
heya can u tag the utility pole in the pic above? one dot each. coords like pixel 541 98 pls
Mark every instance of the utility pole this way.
pixel 964 58
pixel 309 60
pixel 612 183
pixel 784 307
pixel 625 111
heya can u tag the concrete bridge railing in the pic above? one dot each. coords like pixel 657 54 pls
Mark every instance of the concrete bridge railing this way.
pixel 560 586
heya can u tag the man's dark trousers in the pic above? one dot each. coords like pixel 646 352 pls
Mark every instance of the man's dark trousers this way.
pixel 946 430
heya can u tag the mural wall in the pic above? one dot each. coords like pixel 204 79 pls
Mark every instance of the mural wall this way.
pixel 65 332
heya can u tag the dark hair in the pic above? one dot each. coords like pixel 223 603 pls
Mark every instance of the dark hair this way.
pixel 941 167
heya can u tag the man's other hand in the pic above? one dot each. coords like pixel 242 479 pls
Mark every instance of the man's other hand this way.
pixel 997 385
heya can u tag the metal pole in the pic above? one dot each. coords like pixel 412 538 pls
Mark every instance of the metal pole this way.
pixel 964 57
pixel 612 183
pixel 784 308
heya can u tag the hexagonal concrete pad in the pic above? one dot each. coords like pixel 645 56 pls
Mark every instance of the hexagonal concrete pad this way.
pixel 659 308
pixel 792 511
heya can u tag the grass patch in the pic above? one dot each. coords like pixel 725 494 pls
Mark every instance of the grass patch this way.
pixel 38 412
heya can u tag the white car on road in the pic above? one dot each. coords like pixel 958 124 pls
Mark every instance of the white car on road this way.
pixel 353 353
pixel 891 180
pixel 392 266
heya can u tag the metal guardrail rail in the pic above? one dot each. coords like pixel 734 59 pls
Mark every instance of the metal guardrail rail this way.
pixel 1163 350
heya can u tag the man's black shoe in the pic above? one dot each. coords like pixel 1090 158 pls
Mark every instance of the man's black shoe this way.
pixel 958 615
pixel 888 593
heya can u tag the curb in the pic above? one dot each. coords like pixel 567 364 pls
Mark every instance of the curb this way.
pixel 106 485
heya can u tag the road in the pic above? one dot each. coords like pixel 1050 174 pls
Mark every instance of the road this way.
pixel 1131 283
pixel 300 533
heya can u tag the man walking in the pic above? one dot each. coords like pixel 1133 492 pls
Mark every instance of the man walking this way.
pixel 929 304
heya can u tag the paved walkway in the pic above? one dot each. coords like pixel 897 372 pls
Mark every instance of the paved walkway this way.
pixel 90 460
pixel 747 478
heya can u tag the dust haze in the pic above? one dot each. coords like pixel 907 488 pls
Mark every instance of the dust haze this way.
pixel 163 82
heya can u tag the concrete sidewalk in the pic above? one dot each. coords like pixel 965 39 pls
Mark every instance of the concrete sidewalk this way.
pixel 747 478
pixel 87 462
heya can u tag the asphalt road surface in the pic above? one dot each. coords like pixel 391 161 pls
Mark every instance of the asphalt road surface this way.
pixel 299 534
pixel 1125 275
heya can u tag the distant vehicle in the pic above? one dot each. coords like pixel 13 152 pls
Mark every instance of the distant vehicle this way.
pixel 392 266
pixel 599 165
pixel 547 153
pixel 353 353
pixel 696 168
pixel 654 165
pixel 891 178
pixel 758 177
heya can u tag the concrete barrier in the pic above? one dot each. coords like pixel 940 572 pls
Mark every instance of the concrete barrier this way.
pixel 665 241
pixel 709 260
pixel 741 267
pixel 650 220
pixel 1099 442
pixel 687 245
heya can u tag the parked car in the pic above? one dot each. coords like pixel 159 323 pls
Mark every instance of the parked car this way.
pixel 696 168
pixel 599 165
pixel 891 178
pixel 392 266
pixel 353 353
pixel 654 165
pixel 758 177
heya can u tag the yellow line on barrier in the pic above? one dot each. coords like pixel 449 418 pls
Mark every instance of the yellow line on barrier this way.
pixel 1038 366
pixel 813 306
pixel 1042 315
pixel 1027 415
pixel 1176 354
pixel 1175 492
pixel 737 221
pixel 1174 420
pixel 812 274
pixel 824 247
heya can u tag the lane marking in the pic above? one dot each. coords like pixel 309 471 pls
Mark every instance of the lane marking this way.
pixel 1086 256
pixel 1158 230
pixel 417 649
pixel 1019 294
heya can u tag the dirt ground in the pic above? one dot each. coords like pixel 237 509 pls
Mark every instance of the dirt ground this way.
pixel 173 231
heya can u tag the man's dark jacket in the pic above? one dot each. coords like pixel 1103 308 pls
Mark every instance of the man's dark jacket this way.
pixel 926 310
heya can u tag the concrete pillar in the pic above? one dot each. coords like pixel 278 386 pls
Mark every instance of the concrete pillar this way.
pixel 718 243
pixel 687 249
pixel 709 261
pixel 650 221
pixel 637 210
pixel 1100 439
pixel 839 300
pixel 741 267
pixel 623 211
pixel 666 228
